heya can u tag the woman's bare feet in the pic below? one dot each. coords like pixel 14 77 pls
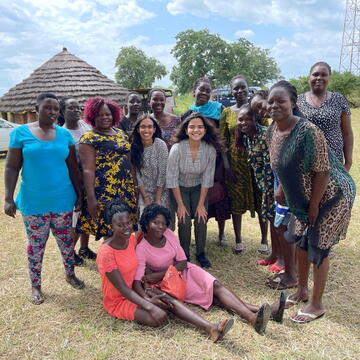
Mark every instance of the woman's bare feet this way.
pixel 37 297
pixel 296 298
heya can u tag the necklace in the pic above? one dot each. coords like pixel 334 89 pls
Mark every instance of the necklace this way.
pixel 320 102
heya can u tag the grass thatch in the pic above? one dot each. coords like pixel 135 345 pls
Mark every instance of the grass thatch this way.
pixel 64 75
pixel 71 324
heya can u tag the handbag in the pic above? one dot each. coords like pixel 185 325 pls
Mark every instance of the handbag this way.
pixel 173 283
pixel 216 193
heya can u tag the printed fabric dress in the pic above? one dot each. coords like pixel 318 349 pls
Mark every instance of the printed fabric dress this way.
pixel 113 179
pixel 327 117
pixel 259 159
pixel 296 158
pixel 243 193
pixel 199 283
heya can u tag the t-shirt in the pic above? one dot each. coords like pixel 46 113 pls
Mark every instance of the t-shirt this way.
pixel 125 261
pixel 45 182
pixel 77 134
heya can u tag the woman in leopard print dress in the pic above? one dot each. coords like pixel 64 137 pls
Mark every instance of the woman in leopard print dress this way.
pixel 318 189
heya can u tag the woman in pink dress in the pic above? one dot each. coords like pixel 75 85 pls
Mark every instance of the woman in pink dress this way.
pixel 160 248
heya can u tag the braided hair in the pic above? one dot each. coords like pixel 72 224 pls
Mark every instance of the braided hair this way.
pixel 115 206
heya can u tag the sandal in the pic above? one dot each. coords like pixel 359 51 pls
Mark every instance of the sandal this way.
pixel 265 262
pixel 239 248
pixel 264 249
pixel 87 253
pixel 292 302
pixel 279 315
pixel 37 299
pixel 223 241
pixel 262 319
pixel 75 282
pixel 310 317
pixel 276 268
pixel 223 327
pixel 277 284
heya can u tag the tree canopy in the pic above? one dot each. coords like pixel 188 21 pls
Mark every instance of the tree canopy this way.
pixel 136 70
pixel 344 83
pixel 200 53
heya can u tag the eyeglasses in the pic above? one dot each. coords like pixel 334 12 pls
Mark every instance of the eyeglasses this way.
pixel 144 127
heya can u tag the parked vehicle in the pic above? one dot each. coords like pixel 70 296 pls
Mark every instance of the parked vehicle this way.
pixel 5 129
pixel 223 96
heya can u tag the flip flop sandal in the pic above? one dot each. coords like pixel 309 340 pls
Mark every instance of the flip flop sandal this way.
pixel 262 319
pixel 263 249
pixel 223 327
pixel 290 302
pixel 239 249
pixel 37 299
pixel 264 262
pixel 275 268
pixel 278 284
pixel 311 317
pixel 75 283
pixel 279 315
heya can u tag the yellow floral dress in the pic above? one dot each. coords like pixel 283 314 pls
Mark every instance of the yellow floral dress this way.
pixel 113 179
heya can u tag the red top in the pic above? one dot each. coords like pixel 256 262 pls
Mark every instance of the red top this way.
pixel 125 261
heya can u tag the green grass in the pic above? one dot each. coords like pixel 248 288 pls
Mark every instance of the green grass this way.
pixel 71 324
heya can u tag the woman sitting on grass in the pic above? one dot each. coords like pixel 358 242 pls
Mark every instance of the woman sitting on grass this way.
pixel 117 263
pixel 160 248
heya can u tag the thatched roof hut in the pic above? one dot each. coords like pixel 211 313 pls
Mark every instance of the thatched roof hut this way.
pixel 64 75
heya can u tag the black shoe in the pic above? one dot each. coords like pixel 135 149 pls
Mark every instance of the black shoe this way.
pixel 78 260
pixel 203 261
pixel 86 253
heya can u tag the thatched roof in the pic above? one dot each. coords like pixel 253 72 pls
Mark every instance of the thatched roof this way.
pixel 64 75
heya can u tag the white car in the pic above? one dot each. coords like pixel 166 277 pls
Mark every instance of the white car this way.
pixel 5 129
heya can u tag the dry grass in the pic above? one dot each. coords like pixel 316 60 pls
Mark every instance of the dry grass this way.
pixel 71 324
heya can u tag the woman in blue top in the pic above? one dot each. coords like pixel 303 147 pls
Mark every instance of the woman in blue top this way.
pixel 46 155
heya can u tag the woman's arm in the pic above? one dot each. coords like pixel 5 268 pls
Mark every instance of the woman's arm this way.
pixel 88 161
pixel 181 208
pixel 116 279
pixel 348 138
pixel 13 165
pixel 75 175
pixel 163 155
pixel 319 183
pixel 201 212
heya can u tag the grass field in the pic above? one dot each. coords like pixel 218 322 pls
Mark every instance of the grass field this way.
pixel 71 324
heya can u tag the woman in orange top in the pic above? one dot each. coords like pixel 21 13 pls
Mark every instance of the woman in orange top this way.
pixel 117 264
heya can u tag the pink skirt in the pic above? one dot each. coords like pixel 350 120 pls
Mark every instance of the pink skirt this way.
pixel 199 286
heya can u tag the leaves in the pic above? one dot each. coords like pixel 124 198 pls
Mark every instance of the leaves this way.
pixel 136 70
pixel 200 53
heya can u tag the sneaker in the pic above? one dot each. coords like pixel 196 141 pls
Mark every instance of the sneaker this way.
pixel 203 261
pixel 78 260
pixel 86 253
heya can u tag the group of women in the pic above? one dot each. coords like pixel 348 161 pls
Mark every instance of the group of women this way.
pixel 140 169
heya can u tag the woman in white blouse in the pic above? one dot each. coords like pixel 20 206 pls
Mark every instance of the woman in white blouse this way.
pixel 190 174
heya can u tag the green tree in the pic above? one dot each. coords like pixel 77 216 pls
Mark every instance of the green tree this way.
pixel 345 83
pixel 136 70
pixel 200 53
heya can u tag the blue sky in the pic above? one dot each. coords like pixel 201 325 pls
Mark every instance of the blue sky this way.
pixel 297 32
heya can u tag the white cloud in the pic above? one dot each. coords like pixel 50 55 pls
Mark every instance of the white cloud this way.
pixel 244 34
pixel 306 48
pixel 297 13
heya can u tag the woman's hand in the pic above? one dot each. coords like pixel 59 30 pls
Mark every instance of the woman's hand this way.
pixel 313 213
pixel 280 196
pixel 93 208
pixel 157 299
pixel 158 315
pixel 201 213
pixel 182 212
pixel 10 208
pixel 79 203
pixel 347 166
